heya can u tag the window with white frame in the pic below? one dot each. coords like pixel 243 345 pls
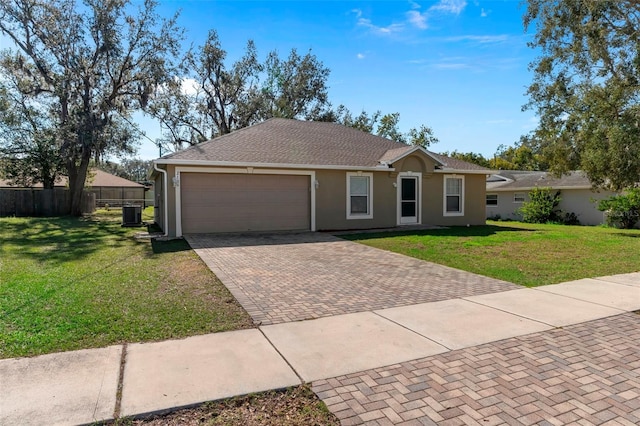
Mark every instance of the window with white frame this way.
pixel 453 195
pixel 518 197
pixel 359 195
pixel 492 199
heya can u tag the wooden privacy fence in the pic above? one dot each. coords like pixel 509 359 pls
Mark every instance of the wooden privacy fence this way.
pixel 41 202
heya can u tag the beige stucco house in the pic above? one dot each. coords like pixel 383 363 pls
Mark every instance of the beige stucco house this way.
pixel 509 189
pixel 299 175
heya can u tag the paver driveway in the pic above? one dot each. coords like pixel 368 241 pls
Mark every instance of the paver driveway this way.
pixel 584 374
pixel 296 276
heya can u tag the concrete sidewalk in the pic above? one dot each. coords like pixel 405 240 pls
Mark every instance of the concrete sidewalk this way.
pixel 94 385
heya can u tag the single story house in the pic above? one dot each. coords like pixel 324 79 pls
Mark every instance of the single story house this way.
pixel 509 189
pixel 114 190
pixel 286 174
pixel 61 182
pixel 109 189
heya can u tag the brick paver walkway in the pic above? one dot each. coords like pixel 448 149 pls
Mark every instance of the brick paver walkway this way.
pixel 289 277
pixel 587 374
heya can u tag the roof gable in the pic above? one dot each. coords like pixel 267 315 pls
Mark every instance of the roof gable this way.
pixel 396 154
pixel 287 142
pixel 284 141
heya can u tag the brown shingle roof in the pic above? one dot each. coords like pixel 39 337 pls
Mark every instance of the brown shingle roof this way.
pixel 516 179
pixel 95 178
pixel 394 153
pixel 61 181
pixel 455 164
pixel 287 142
pixel 100 178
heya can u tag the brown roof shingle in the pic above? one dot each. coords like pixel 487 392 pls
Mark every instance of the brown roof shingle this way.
pixel 516 179
pixel 100 178
pixel 95 178
pixel 288 142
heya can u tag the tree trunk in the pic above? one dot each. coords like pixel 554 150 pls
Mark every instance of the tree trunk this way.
pixel 77 178
pixel 48 183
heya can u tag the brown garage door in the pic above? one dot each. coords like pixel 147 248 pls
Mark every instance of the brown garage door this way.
pixel 216 202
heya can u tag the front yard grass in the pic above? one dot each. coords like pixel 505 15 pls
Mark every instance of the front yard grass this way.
pixel 520 253
pixel 74 283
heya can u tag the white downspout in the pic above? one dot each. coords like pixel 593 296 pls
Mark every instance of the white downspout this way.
pixel 164 199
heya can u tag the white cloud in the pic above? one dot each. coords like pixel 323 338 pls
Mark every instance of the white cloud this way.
pixel 414 17
pixel 473 63
pixel 393 28
pixel 483 13
pixel 360 56
pixel 451 66
pixel 482 39
pixel 190 86
pixel 417 19
pixel 450 6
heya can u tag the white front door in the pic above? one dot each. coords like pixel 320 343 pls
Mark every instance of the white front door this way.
pixel 408 200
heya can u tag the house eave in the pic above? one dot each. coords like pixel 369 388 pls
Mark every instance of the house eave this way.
pixel 209 163
pixel 411 151
pixel 462 172
pixel 530 188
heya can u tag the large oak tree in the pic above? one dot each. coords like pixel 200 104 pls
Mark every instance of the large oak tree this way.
pixel 586 87
pixel 214 97
pixel 87 65
pixel 387 125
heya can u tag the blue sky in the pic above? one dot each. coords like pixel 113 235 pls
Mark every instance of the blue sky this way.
pixel 457 66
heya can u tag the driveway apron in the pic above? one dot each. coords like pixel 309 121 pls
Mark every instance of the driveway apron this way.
pixel 298 276
pixel 583 374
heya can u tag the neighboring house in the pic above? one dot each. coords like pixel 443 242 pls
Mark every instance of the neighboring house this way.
pixel 299 175
pixel 508 189
pixel 114 190
pixel 109 189
pixel 60 182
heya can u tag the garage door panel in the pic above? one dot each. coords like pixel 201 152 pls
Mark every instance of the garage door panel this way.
pixel 214 202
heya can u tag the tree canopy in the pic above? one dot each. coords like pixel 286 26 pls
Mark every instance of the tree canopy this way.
pixel 78 71
pixel 83 69
pixel 387 125
pixel 134 169
pixel 585 87
pixel 29 153
pixel 212 97
pixel 518 157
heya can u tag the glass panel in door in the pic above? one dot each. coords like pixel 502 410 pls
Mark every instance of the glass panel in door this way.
pixel 408 200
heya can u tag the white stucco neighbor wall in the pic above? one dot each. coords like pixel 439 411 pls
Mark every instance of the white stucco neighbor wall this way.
pixel 506 207
pixel 583 202
pixel 578 201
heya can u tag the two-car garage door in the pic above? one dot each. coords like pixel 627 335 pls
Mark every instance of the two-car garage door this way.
pixel 222 202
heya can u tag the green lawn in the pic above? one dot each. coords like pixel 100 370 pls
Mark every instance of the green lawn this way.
pixel 525 254
pixel 70 283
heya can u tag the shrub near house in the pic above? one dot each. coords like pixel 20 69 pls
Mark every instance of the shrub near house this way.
pixel 623 210
pixel 541 207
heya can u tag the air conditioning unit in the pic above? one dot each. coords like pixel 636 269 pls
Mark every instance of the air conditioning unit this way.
pixel 131 215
